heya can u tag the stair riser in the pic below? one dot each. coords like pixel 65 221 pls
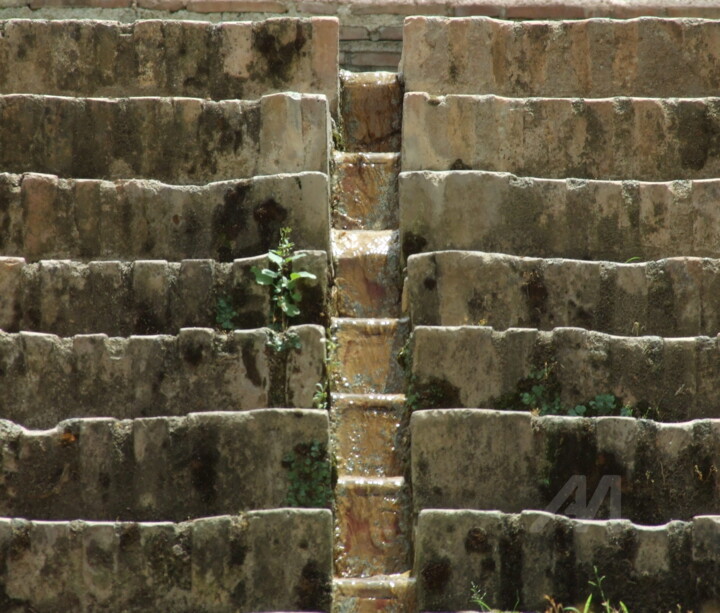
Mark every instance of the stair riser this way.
pixel 663 379
pixel 677 297
pixel 641 139
pixel 50 218
pixel 518 559
pixel 588 220
pixel 46 379
pixel 178 140
pixel 144 297
pixel 663 471
pixel 594 58
pixel 154 469
pixel 218 564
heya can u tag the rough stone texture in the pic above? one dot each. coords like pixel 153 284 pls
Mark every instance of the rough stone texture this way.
pixel 371 110
pixel 518 559
pixel 666 379
pixel 593 59
pixel 673 297
pixel 615 138
pixel 162 468
pixel 176 140
pixel 608 220
pixel 46 379
pixel 44 217
pixel 145 296
pixel 170 58
pixel 278 560
pixel 666 471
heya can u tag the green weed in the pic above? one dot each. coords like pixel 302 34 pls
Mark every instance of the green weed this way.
pixel 310 475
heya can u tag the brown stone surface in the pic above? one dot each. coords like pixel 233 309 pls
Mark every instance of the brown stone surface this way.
pixel 243 60
pixel 621 138
pixel 668 379
pixel 664 471
pixel 163 468
pixel 371 531
pixel 367 351
pixel 367 273
pixel 375 594
pixel 46 379
pixel 45 217
pixel 217 564
pixel 365 191
pixel 518 559
pixel 591 59
pixel 177 140
pixel 146 296
pixel 371 110
pixel 672 297
pixel 597 220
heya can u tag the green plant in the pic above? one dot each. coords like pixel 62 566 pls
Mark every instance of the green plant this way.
pixel 309 474
pixel 283 341
pixel 605 604
pixel 321 397
pixel 477 597
pixel 225 313
pixel 543 396
pixel 284 283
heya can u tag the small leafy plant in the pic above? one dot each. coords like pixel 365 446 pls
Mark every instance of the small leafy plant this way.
pixel 282 281
pixel 310 475
pixel 225 313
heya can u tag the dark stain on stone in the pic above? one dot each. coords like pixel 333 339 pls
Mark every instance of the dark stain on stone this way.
pixel 437 393
pixel 147 321
pixel 696 133
pixel 436 574
pixel 229 220
pixel 412 244
pixel 279 58
pixel 203 465
pixel 193 353
pixel 314 589
pixel 270 217
pixel 476 541
pixel 249 358
pixel 536 295
pixel 429 283
pixel 239 594
pixel 459 165
pixel 129 536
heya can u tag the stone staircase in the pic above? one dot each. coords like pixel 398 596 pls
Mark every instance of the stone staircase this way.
pixel 506 366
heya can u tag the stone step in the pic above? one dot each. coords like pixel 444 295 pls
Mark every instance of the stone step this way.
pixel 593 58
pixel 365 191
pixel 162 468
pixel 672 297
pixel 253 561
pixel 370 111
pixel 372 527
pixel 366 355
pixel 46 217
pixel 176 140
pixel 368 279
pixel 146 296
pixel 391 593
pixel 46 379
pixel 668 379
pixel 603 220
pixel 614 138
pixel 514 561
pixel 368 430
pixel 170 57
pixel 640 470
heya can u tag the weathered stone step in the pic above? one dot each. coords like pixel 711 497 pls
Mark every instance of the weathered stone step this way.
pixel 365 191
pixel 615 138
pixel 46 379
pixel 279 560
pixel 371 111
pixel 368 434
pixel 640 470
pixel 572 218
pixel 372 527
pixel 392 593
pixel 45 217
pixel 671 379
pixel 170 58
pixel 516 560
pixel 368 280
pixel 177 140
pixel 367 355
pixel 146 296
pixel 595 58
pixel 672 297
pixel 162 468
